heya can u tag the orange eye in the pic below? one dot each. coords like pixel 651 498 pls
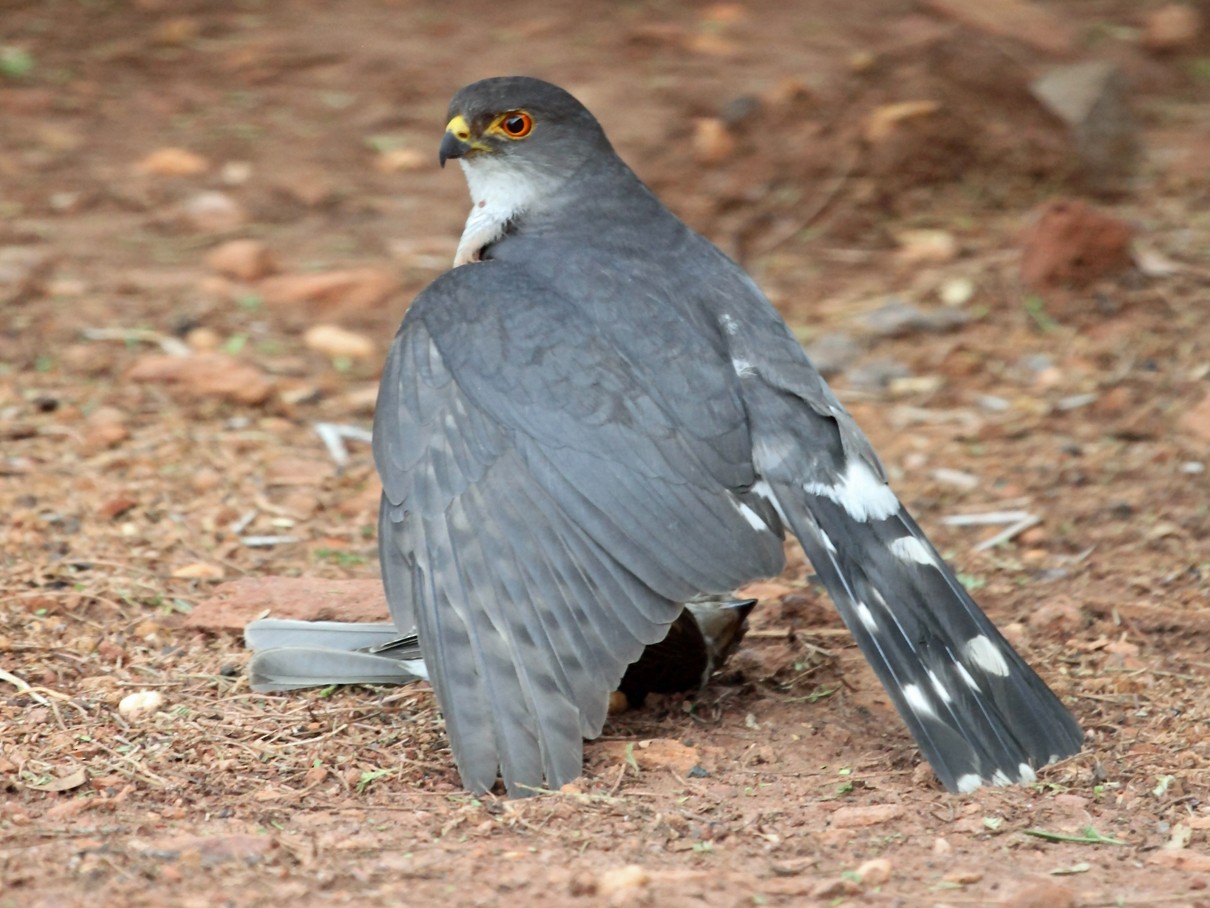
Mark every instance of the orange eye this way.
pixel 517 124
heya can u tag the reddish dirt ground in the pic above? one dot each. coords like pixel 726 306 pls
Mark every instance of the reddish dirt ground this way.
pixel 136 138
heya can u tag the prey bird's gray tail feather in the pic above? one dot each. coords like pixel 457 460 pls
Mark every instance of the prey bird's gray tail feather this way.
pixel 289 654
pixel 978 712
pixel 292 667
pixel 347 635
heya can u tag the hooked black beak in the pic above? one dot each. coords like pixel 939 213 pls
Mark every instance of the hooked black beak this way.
pixel 457 140
pixel 452 147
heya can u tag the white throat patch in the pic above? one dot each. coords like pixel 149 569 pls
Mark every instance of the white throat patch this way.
pixel 499 193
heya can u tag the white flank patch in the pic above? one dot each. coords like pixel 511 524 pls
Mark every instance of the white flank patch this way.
pixel 1027 774
pixel 969 782
pixel 918 701
pixel 999 777
pixel 754 519
pixel 940 688
pixel 866 616
pixel 909 548
pixel 966 676
pixel 827 542
pixel 860 492
pixel 742 367
pixel 765 491
pixel 499 193
pixel 415 667
pixel 987 656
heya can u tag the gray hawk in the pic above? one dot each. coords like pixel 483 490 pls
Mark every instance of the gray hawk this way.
pixel 596 417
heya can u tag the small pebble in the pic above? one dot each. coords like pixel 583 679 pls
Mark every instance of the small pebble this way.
pixel 632 876
pixel 1172 27
pixel 712 142
pixel 244 260
pixel 402 160
pixel 875 872
pixel 173 162
pixel 213 212
pixel 865 815
pixel 140 703
pixel 925 246
pixel 959 479
pixel 957 291
pixel 333 340
pixel 993 403
pixel 235 173
pixel 834 889
pixel 1041 895
pixel 963 877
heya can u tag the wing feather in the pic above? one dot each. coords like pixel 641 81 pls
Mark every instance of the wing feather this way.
pixel 543 516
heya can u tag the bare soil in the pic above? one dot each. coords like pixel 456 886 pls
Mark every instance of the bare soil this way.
pixel 125 499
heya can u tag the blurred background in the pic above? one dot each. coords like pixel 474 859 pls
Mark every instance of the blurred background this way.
pixel 988 222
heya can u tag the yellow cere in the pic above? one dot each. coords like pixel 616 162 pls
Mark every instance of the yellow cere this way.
pixel 459 127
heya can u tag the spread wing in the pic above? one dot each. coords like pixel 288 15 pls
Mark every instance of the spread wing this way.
pixel 547 505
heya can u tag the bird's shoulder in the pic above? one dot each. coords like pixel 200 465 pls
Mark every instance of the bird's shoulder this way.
pixel 503 319
pixel 477 289
pixel 551 360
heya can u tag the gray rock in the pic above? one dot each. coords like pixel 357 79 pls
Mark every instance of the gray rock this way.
pixel 833 352
pixel 897 316
pixel 1091 98
pixel 876 375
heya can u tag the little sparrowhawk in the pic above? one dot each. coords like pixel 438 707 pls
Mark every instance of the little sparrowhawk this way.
pixel 596 417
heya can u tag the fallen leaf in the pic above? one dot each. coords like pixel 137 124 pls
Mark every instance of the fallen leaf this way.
pixel 205 374
pixel 1182 859
pixel 883 120
pixel 401 160
pixel 72 780
pixel 351 289
pixel 865 815
pixel 199 571
pixel 173 162
pixel 655 753
pixel 712 141
pixel 332 340
pixel 244 260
